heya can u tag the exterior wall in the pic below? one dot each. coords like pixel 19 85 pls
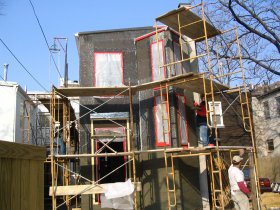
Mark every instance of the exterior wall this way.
pixel 266 129
pixel 8 113
pixel 233 133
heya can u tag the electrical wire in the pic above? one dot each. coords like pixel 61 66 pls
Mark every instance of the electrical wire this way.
pixel 45 38
pixel 23 66
pixel 2 78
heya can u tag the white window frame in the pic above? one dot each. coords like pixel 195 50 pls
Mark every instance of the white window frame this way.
pixel 218 112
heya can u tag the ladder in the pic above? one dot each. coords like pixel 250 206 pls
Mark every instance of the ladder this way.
pixel 218 174
pixel 170 179
pixel 26 127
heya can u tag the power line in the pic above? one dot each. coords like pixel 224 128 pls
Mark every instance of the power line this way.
pixel 44 38
pixel 23 66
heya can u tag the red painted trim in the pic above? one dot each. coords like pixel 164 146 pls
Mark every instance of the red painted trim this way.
pixel 163 28
pixel 94 68
pixel 159 144
pixel 179 120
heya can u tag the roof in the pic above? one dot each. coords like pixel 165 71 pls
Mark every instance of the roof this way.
pixel 190 24
pixel 190 81
pixel 114 30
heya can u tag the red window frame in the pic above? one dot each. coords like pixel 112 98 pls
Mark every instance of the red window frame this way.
pixel 94 68
pixel 158 143
pixel 179 120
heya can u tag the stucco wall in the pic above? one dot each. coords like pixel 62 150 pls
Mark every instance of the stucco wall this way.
pixel 266 129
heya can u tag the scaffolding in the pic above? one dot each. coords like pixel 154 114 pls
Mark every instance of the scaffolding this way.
pixel 208 83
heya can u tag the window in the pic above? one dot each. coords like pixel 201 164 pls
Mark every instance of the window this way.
pixel 157 60
pixel 218 114
pixel 278 105
pixel 182 121
pixel 161 124
pixel 270 145
pixel 108 69
pixel 266 110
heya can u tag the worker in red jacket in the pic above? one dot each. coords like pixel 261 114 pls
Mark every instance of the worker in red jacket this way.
pixel 201 123
pixel 240 194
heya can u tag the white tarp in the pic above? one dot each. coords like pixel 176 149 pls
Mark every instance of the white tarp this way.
pixel 118 195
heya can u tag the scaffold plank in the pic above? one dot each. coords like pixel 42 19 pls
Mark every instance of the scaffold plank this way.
pixel 83 189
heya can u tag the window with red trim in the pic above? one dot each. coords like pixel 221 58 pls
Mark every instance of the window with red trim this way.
pixel 182 120
pixel 108 69
pixel 161 126
pixel 157 61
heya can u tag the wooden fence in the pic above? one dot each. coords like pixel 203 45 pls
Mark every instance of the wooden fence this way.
pixel 21 176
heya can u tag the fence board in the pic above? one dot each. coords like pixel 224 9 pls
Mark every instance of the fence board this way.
pixel 22 177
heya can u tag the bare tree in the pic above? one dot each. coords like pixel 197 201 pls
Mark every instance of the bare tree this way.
pixel 258 23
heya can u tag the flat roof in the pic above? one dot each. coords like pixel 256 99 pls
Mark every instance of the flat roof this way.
pixel 191 24
pixel 114 30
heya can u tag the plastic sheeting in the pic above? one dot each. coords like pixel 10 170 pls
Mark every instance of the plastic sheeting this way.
pixel 182 119
pixel 118 195
pixel 160 124
pixel 108 69
pixel 157 61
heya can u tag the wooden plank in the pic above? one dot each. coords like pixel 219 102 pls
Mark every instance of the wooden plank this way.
pixel 82 189
pixel 193 31
pixel 21 151
pixel 34 187
pixel 24 184
pixel 5 184
pixel 40 184
pixel 93 91
pixel 190 81
pixel 15 184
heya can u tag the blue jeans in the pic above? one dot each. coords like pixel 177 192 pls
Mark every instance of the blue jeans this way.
pixel 203 134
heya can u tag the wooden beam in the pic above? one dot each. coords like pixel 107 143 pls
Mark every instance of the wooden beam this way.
pixel 83 189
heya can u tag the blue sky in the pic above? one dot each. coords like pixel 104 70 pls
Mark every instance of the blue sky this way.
pixel 20 31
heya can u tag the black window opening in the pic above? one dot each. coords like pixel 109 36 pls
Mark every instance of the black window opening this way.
pixel 105 165
pixel 278 105
pixel 266 110
pixel 270 145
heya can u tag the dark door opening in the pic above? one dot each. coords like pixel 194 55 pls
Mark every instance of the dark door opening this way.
pixel 109 164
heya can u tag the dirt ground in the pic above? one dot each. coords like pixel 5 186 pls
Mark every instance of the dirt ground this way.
pixel 270 200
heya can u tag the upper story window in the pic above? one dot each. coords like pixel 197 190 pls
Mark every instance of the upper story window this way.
pixel 278 105
pixel 270 145
pixel 108 69
pixel 266 110
pixel 157 61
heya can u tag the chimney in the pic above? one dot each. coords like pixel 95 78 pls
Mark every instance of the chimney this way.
pixel 5 71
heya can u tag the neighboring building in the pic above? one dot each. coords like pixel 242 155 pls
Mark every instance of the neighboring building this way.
pixel 266 117
pixel 15 103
